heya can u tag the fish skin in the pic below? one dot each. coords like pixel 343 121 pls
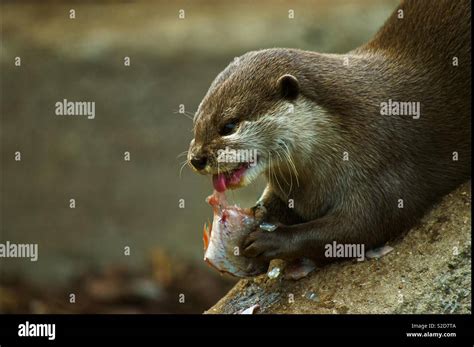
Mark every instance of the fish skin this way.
pixel 229 227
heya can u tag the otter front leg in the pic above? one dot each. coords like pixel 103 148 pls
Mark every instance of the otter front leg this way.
pixel 305 240
pixel 277 211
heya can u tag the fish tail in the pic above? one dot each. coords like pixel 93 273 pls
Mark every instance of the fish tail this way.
pixel 206 236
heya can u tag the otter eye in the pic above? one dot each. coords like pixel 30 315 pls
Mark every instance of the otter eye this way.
pixel 228 128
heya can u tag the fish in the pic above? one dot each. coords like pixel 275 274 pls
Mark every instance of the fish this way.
pixel 222 239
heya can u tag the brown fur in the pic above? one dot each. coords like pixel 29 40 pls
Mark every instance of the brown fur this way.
pixel 390 157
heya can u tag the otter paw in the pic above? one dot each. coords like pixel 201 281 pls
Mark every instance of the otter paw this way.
pixel 266 245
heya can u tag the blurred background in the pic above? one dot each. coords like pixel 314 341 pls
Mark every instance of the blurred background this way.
pixel 134 203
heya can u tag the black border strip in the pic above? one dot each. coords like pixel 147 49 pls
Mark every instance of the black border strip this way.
pixel 124 327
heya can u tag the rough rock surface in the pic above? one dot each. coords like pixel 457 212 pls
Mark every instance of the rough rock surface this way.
pixel 429 271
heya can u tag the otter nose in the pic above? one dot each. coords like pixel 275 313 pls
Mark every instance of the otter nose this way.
pixel 199 162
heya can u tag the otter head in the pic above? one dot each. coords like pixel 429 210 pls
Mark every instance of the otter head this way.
pixel 246 122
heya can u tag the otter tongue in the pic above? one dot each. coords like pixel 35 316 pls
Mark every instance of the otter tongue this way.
pixel 219 182
pixel 222 181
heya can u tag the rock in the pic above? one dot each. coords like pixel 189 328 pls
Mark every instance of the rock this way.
pixel 429 271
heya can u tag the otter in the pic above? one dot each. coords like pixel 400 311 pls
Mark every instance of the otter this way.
pixel 355 148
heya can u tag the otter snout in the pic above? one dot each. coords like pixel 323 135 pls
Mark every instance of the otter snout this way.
pixel 199 162
pixel 197 158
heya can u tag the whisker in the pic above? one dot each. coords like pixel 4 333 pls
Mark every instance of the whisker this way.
pixel 268 168
pixel 182 153
pixel 278 181
pixel 292 163
pixel 293 170
pixel 184 114
pixel 280 160
pixel 276 177
pixel 183 164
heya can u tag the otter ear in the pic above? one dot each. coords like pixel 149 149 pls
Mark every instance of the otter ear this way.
pixel 288 86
